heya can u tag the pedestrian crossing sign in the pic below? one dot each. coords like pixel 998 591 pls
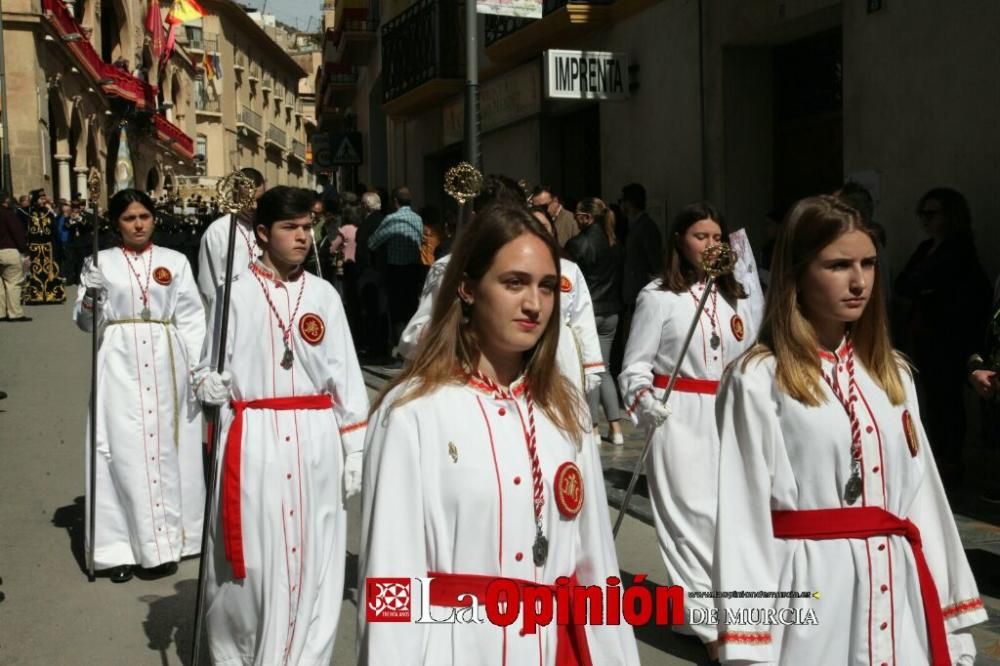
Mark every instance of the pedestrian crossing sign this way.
pixel 347 148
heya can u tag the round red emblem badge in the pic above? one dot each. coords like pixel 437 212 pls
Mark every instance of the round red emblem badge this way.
pixel 311 328
pixel 910 430
pixel 738 329
pixel 162 275
pixel 569 489
pixel 565 286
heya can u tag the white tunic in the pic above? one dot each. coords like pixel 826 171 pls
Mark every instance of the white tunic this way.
pixel 683 462
pixel 212 256
pixel 778 454
pixel 448 489
pixel 285 611
pixel 150 483
pixel 579 350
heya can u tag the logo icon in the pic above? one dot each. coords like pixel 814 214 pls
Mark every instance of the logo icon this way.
pixel 162 275
pixel 565 286
pixel 569 489
pixel 387 599
pixel 736 323
pixel 311 328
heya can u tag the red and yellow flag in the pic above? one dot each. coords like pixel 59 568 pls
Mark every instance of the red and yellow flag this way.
pixel 184 11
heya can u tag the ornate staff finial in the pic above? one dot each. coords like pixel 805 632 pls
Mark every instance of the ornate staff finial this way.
pixel 717 260
pixel 463 182
pixel 236 192
pixel 94 185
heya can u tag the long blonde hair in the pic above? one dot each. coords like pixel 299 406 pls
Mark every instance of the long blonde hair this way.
pixel 811 225
pixel 448 348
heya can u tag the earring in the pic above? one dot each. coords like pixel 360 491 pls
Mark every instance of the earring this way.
pixel 466 310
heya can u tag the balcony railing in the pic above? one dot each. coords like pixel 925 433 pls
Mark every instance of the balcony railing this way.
pixel 180 142
pixel 421 44
pixel 208 43
pixel 254 71
pixel 277 136
pixel 267 83
pixel 204 104
pixel 113 81
pixel 251 119
pixel 240 62
pixel 299 150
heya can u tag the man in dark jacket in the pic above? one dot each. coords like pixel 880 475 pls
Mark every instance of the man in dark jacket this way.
pixel 644 248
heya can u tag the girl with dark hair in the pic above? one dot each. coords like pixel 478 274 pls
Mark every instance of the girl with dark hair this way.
pixel 949 304
pixel 292 432
pixel 478 468
pixel 150 483
pixel 826 482
pixel 684 459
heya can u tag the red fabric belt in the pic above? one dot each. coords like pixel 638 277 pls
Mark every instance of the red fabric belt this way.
pixel 232 526
pixel 865 523
pixel 687 384
pixel 571 639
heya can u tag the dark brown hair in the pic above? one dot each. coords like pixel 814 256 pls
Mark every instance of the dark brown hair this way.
pixel 678 273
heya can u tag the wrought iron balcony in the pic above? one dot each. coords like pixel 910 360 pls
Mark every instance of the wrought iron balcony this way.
pixel 240 62
pixel 277 137
pixel 207 42
pixel 298 150
pixel 251 120
pixel 202 104
pixel 422 45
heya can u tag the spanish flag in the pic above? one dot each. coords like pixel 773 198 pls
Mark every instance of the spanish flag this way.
pixel 184 11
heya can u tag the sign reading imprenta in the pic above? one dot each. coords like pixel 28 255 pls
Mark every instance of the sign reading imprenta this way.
pixel 586 75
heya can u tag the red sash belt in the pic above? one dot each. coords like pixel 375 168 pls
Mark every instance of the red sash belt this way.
pixel 571 639
pixel 687 384
pixel 232 528
pixel 865 523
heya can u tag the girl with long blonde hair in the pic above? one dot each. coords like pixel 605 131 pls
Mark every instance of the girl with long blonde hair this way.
pixel 826 482
pixel 476 467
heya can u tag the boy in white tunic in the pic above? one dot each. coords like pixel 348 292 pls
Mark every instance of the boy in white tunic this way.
pixel 826 481
pixel 150 481
pixel 683 465
pixel 215 240
pixel 292 445
pixel 465 455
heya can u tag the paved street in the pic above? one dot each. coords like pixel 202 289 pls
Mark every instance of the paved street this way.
pixel 51 615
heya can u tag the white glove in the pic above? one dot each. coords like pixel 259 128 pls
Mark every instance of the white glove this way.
pixel 92 278
pixel 214 388
pixel 591 381
pixel 352 474
pixel 652 412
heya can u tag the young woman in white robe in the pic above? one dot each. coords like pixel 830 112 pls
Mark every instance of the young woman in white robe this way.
pixel 150 481
pixel 291 436
pixel 683 463
pixel 826 481
pixel 463 453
